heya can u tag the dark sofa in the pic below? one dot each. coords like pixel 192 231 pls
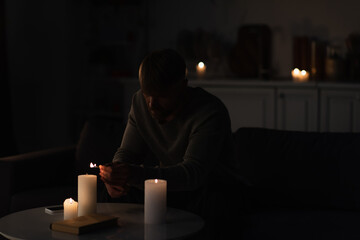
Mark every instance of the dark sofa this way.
pixel 48 177
pixel 304 185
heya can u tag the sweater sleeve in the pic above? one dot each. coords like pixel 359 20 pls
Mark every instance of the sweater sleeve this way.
pixel 133 151
pixel 204 149
pixel 133 147
pixel 206 144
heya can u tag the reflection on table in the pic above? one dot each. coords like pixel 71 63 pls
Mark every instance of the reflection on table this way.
pixel 34 224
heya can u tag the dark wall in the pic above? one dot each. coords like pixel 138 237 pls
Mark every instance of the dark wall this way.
pixel 6 141
pixel 62 55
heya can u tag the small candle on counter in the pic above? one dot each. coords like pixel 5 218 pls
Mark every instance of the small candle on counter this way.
pixel 299 76
pixel 200 69
pixel 87 194
pixel 155 201
pixel 70 208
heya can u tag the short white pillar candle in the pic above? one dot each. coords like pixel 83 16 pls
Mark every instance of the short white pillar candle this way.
pixel 70 208
pixel 87 194
pixel 155 201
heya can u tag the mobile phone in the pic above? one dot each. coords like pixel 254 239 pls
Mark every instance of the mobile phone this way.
pixel 54 209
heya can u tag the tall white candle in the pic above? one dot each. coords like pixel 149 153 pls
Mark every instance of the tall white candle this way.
pixel 70 208
pixel 87 194
pixel 155 201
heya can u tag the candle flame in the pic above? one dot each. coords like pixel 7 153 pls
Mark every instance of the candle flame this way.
pixel 93 165
pixel 201 65
pixel 299 75
pixel 71 201
pixel 156 181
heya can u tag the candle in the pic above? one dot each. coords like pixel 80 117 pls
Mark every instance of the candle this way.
pixel 87 194
pixel 200 69
pixel 70 208
pixel 155 201
pixel 300 76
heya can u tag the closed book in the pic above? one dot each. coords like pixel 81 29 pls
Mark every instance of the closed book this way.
pixel 84 224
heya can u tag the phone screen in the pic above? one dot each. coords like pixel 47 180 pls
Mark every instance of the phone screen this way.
pixel 56 208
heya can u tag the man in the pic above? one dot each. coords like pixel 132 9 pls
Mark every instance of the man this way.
pixel 174 132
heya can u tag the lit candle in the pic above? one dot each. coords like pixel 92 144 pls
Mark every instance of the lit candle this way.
pixel 155 201
pixel 87 194
pixel 70 208
pixel 300 76
pixel 201 69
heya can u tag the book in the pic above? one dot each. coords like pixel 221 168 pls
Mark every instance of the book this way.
pixel 84 224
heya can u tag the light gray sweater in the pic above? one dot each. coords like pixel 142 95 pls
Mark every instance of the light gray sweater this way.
pixel 189 151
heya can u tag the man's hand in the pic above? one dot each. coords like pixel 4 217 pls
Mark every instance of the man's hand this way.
pixel 116 191
pixel 115 176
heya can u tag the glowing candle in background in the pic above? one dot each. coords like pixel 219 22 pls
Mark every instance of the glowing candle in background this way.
pixel 299 76
pixel 87 194
pixel 200 69
pixel 70 208
pixel 155 201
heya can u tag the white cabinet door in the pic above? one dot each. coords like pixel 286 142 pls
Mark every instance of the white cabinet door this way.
pixel 340 111
pixel 248 107
pixel 297 109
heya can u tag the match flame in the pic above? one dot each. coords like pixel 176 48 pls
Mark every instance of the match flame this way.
pixel 92 165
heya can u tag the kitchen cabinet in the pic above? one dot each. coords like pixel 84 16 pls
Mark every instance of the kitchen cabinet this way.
pixel 340 110
pixel 297 109
pixel 284 105
pixel 247 106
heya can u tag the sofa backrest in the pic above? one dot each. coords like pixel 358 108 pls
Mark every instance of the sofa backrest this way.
pixel 300 169
pixel 99 140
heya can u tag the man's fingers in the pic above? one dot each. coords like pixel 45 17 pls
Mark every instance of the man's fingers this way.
pixel 116 182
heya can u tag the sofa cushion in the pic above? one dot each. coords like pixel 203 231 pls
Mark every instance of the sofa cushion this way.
pixel 41 197
pixel 300 169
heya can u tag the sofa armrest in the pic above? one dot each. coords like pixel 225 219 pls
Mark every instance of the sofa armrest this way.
pixel 45 168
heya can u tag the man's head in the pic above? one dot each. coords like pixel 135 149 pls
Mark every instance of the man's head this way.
pixel 162 76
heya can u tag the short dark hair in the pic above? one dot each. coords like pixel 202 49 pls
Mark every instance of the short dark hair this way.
pixel 161 70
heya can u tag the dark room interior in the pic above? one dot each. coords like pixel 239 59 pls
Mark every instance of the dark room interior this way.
pixel 287 71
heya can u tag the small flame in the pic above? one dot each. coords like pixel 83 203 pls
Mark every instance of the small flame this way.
pixel 296 71
pixel 201 65
pixel 156 181
pixel 71 201
pixel 92 165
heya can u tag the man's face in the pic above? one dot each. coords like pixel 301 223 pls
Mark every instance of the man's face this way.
pixel 163 106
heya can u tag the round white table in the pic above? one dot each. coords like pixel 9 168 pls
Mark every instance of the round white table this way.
pixel 34 224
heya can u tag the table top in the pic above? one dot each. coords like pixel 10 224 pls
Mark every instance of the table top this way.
pixel 35 224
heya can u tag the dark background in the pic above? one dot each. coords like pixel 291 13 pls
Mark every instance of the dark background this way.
pixel 59 59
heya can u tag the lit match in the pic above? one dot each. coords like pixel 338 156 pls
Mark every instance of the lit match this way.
pixel 93 165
